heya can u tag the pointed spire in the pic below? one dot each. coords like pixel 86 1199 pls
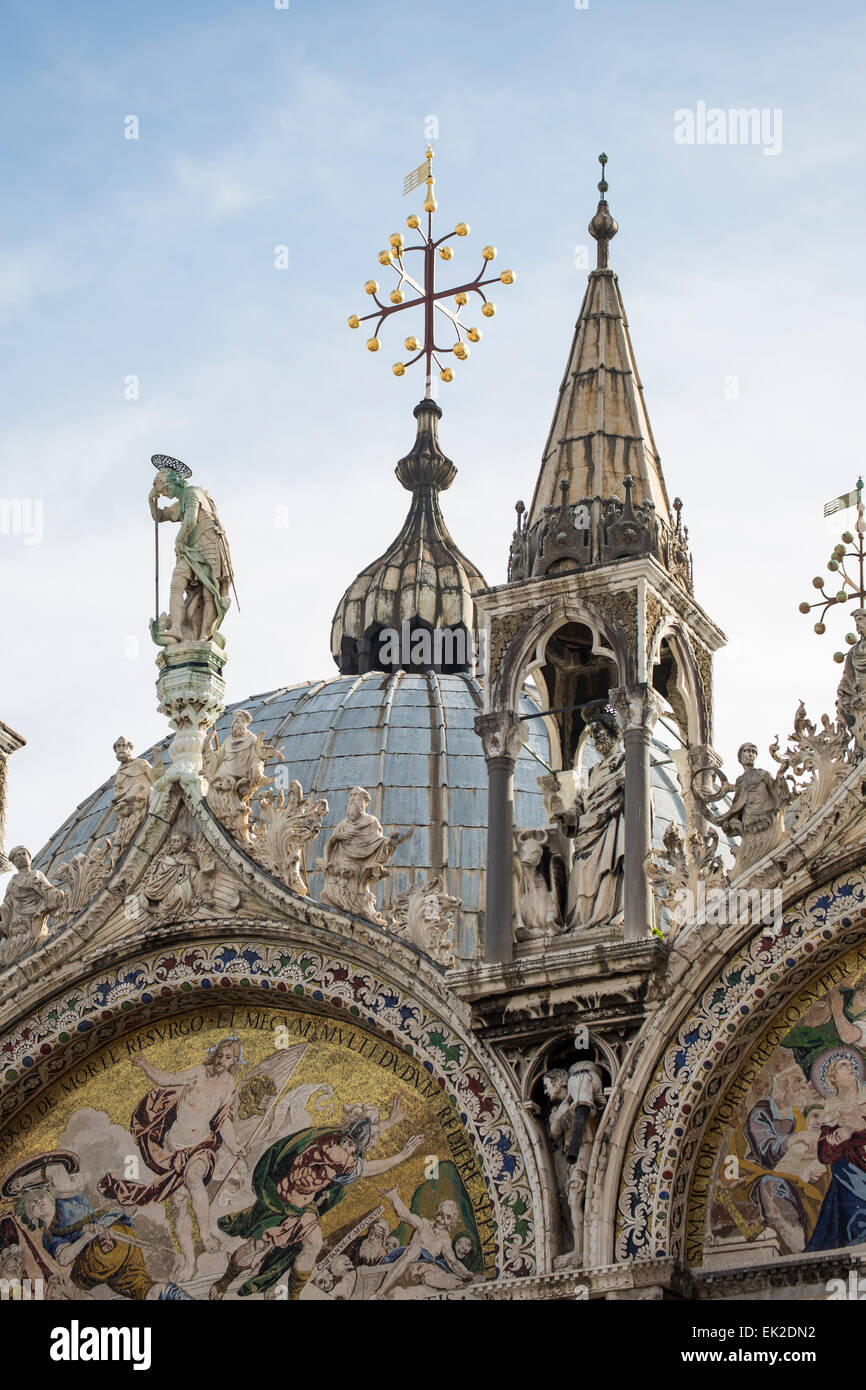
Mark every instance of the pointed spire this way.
pixel 421 582
pixel 600 434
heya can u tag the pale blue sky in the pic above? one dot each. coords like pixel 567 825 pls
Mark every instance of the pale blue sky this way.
pixel 261 127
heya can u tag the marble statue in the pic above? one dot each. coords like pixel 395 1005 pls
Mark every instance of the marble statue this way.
pixel 424 915
pixel 596 823
pixel 577 1100
pixel 757 808
pixel 29 902
pixel 199 595
pixel 539 883
pixel 133 781
pixel 356 857
pixel 851 694
pixel 235 770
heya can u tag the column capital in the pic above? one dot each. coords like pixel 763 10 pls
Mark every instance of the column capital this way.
pixel 502 734
pixel 635 707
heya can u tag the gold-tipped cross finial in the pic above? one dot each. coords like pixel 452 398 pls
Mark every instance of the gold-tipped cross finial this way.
pixel 427 296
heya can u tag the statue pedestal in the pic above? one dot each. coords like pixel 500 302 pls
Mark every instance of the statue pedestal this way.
pixel 191 693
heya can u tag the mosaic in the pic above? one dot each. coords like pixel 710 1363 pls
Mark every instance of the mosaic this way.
pixel 255 1151
pixel 782 1168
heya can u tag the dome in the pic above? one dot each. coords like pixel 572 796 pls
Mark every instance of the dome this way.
pixel 410 740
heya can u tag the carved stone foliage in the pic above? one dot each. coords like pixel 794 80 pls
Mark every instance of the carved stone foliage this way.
pixel 186 879
pixel 705 673
pixel 235 770
pixel 502 733
pixel 424 915
pixel 622 605
pixel 684 875
pixel 503 630
pixel 755 814
pixel 356 858
pixel 540 883
pixel 82 877
pixel 30 900
pixel 655 613
pixel 286 822
pixel 821 755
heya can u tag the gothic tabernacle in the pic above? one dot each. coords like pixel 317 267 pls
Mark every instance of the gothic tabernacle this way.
pixel 466 972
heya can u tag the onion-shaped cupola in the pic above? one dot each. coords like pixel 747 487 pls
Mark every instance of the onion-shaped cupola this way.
pixel 412 609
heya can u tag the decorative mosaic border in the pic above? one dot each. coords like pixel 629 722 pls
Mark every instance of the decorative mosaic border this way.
pixel 697 1065
pixel 321 980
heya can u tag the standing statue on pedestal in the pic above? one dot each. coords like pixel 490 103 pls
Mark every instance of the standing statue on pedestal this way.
pixel 199 597
pixel 851 695
pixel 30 900
pixel 577 1100
pixel 757 810
pixel 356 857
pixel 596 823
pixel 133 781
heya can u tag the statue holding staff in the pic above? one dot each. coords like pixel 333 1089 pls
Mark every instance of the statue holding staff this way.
pixel 199 595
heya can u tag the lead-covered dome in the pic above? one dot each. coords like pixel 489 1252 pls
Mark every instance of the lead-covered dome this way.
pixel 409 739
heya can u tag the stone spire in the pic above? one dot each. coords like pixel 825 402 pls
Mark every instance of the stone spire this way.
pixel 422 582
pixel 600 461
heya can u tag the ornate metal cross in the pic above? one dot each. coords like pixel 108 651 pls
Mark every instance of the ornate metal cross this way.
pixel 851 548
pixel 426 293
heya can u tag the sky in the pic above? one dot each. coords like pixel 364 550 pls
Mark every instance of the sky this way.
pixel 142 310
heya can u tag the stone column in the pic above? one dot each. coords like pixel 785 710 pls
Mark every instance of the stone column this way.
pixel 10 742
pixel 502 735
pixel 191 693
pixel 637 708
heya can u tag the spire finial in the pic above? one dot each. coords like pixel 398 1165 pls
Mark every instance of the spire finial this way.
pixel 603 227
